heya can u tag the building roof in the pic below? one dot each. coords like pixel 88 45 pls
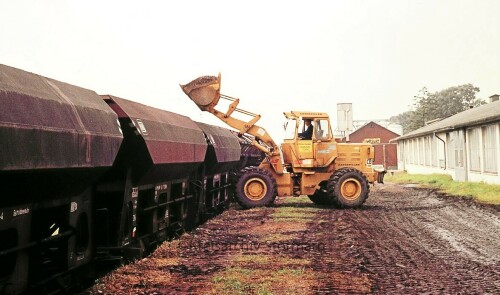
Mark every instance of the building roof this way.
pixel 373 123
pixel 483 114
pixel 394 127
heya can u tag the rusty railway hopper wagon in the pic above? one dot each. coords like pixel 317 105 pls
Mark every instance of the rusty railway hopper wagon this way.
pixel 89 180
pixel 56 140
pixel 223 157
pixel 168 174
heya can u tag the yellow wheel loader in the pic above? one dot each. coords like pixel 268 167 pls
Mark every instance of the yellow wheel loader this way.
pixel 310 162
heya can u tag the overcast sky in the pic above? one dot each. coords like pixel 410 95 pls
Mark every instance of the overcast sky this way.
pixel 274 55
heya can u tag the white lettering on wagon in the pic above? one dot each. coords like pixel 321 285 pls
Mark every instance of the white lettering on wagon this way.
pixel 142 127
pixel 74 207
pixel 19 212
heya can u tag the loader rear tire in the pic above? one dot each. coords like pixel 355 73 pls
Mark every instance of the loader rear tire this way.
pixel 256 188
pixel 348 188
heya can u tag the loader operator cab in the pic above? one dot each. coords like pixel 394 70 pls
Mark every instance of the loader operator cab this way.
pixel 301 150
pixel 296 127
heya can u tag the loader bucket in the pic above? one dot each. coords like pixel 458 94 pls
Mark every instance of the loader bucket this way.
pixel 204 91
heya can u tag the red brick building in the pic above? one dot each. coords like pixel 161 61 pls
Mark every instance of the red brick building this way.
pixel 385 153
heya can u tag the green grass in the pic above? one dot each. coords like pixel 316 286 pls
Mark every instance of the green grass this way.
pixel 303 199
pixel 480 191
pixel 293 214
pixel 263 274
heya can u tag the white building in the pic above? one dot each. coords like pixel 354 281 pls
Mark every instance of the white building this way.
pixel 465 146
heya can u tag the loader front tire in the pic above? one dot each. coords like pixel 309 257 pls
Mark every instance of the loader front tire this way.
pixel 256 188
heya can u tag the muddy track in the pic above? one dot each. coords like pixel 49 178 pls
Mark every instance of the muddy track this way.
pixel 403 240
pixel 412 240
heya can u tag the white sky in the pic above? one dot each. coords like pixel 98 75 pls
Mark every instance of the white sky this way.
pixel 274 55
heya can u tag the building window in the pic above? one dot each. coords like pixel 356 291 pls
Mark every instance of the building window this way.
pixel 414 146
pixel 474 149
pixel 450 149
pixel 402 156
pixel 408 151
pixel 409 157
pixel 421 149
pixel 459 149
pixel 434 159
pixel 427 142
pixel 490 148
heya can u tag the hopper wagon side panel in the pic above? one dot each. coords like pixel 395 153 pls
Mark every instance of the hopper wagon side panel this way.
pixel 224 149
pixel 162 145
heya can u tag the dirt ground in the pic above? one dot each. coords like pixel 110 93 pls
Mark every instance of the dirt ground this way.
pixel 403 240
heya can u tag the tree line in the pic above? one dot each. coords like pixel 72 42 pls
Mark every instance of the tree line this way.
pixel 432 106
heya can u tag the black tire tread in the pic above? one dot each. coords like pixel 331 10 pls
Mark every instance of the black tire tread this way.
pixel 253 171
pixel 334 187
pixel 320 198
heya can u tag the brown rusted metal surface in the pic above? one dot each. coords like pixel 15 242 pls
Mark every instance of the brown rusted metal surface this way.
pixel 224 148
pixel 47 124
pixel 159 145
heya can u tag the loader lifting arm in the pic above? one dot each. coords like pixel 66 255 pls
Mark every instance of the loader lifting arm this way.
pixel 205 93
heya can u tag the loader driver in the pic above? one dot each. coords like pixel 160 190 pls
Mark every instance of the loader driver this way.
pixel 307 134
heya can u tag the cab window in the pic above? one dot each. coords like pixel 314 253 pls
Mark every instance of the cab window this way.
pixel 290 125
pixel 322 130
pixel 302 126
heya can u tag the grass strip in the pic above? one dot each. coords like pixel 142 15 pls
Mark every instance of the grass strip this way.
pixel 479 191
